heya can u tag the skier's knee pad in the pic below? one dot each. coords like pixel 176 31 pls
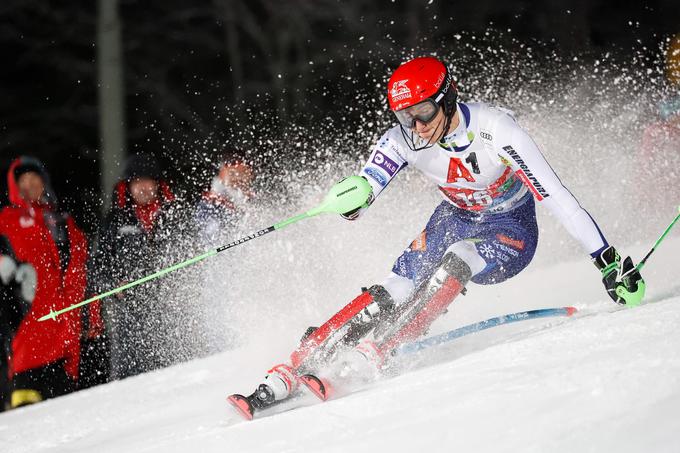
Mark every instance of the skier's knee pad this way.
pixel 430 301
pixel 456 267
pixel 468 261
pixel 382 297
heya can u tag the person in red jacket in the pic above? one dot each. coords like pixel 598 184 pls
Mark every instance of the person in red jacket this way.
pixel 44 355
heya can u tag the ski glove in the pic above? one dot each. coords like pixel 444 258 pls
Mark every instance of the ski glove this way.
pixel 28 280
pixel 622 280
pixel 355 213
pixel 16 274
pixel 8 268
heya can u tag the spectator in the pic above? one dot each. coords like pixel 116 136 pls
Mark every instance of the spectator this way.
pixel 221 207
pixel 664 134
pixel 17 290
pixel 45 356
pixel 216 217
pixel 132 243
pixel 660 147
pixel 95 350
pixel 670 107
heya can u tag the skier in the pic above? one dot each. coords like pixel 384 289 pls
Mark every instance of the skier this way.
pixel 490 173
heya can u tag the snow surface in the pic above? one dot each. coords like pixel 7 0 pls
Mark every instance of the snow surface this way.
pixel 605 380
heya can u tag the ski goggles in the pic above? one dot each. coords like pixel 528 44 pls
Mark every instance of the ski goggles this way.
pixel 424 112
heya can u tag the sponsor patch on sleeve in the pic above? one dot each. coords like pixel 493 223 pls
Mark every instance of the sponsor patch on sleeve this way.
pixel 527 176
pixel 384 162
pixel 376 175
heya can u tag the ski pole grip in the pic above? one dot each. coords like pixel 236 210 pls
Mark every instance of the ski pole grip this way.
pixel 349 194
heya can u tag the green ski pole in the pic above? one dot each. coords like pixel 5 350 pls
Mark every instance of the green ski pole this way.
pixel 658 241
pixel 349 194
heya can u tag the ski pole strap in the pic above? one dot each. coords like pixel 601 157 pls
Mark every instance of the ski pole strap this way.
pixel 410 348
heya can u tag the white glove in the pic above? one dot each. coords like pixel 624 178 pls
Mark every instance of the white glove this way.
pixel 8 268
pixel 28 279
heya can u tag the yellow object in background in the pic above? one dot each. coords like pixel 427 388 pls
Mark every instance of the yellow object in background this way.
pixel 673 61
pixel 24 397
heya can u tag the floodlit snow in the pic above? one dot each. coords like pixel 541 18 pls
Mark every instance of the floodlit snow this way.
pixel 606 380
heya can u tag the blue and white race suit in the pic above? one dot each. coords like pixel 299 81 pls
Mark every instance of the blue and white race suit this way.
pixel 489 172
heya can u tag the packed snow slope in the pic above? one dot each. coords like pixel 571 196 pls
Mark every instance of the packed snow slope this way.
pixel 605 380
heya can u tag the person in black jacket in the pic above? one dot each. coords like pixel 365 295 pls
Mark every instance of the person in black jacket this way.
pixel 133 242
pixel 17 291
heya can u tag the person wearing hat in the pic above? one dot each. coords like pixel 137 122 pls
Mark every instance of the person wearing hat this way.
pixel 132 243
pixel 216 217
pixel 44 258
pixel 221 206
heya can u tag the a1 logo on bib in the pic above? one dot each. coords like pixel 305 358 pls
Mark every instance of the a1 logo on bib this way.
pixel 458 171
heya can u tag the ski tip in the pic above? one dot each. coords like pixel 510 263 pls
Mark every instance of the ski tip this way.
pixel 242 405
pixel 570 310
pixel 316 385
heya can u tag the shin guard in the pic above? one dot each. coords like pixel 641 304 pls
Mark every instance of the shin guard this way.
pixel 430 301
pixel 347 327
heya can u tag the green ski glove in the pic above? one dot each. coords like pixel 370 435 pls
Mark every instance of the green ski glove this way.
pixel 623 282
pixel 355 213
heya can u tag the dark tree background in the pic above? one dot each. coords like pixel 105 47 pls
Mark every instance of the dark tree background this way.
pixel 198 74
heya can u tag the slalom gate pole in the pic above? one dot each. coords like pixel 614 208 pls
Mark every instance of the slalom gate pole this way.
pixel 347 195
pixel 410 348
pixel 658 241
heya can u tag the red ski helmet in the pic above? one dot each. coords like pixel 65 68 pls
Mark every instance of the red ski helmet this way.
pixel 416 80
pixel 417 89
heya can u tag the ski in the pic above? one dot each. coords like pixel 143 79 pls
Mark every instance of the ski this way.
pixel 242 405
pixel 416 346
pixel 246 408
pixel 249 406
pixel 318 387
